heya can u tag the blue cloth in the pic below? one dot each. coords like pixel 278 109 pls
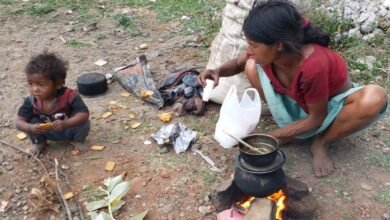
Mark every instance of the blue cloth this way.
pixel 285 110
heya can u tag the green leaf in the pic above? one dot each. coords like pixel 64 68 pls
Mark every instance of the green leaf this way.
pixel 117 206
pixel 119 191
pixel 140 216
pixel 112 182
pixel 93 215
pixel 103 216
pixel 95 205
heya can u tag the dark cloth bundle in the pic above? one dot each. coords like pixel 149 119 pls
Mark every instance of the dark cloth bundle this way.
pixel 182 90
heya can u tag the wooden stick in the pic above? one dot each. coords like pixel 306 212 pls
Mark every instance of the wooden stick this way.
pixel 60 190
pixel 258 150
pixel 57 191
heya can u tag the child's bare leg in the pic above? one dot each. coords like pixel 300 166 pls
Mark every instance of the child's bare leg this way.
pixel 80 134
pixel 37 149
pixel 360 108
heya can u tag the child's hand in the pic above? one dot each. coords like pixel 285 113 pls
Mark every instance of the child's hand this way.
pixel 38 129
pixel 58 125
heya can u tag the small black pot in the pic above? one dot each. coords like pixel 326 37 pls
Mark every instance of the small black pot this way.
pixel 257 159
pixel 92 84
pixel 259 185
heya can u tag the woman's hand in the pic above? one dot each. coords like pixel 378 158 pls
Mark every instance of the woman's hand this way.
pixel 208 74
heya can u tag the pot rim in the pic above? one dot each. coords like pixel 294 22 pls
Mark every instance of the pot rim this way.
pixel 260 134
pixel 264 171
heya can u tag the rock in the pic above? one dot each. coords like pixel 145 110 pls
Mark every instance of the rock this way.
pixel 224 194
pixel 365 186
pixel 90 27
pixel 165 174
pixel 369 25
pixel 386 4
pixel 296 188
pixel 386 216
pixel 25 208
pixel 64 167
pixel 386 150
pixel 167 208
pixel 261 209
pixel 18 191
pixel 164 150
pixel 205 210
pixel 304 207
pixel 1 158
pixel 9 167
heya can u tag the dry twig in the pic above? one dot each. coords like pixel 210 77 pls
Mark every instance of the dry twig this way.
pixel 60 190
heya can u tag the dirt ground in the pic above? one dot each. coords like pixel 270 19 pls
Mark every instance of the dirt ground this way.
pixel 169 185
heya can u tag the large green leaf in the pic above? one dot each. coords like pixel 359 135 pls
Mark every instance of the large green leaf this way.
pixel 117 206
pixel 93 215
pixel 95 205
pixel 140 216
pixel 119 191
pixel 103 216
pixel 112 182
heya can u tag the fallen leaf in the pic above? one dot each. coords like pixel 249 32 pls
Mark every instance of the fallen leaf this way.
pixel 165 117
pixel 136 125
pixel 97 147
pixel 110 165
pixel 21 136
pixel 68 195
pixel 106 115
pixel 146 94
pixel 125 94
pixel 131 116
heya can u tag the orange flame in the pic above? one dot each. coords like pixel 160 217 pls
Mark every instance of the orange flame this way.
pixel 246 202
pixel 279 197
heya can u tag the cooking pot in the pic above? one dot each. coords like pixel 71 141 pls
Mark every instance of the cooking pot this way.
pixel 259 185
pixel 264 141
pixel 92 84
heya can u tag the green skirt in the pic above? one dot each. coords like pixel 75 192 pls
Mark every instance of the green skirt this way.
pixel 285 110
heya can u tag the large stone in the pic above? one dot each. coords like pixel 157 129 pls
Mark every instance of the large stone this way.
pixel 224 194
pixel 296 189
pixel 261 209
pixel 300 208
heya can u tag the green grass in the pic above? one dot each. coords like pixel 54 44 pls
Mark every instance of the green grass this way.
pixel 126 23
pixel 382 196
pixel 76 44
pixel 204 15
pixel 352 49
pixel 379 160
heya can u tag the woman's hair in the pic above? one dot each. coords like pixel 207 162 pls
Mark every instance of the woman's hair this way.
pixel 279 21
pixel 48 64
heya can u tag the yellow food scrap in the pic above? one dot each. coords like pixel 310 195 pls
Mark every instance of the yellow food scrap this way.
pixel 75 152
pixel 146 94
pixel 110 165
pixel 131 116
pixel 165 117
pixel 45 126
pixel 136 125
pixel 97 147
pixel 68 195
pixel 125 94
pixel 106 115
pixel 21 136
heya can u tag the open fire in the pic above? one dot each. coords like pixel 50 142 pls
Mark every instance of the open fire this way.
pixel 279 198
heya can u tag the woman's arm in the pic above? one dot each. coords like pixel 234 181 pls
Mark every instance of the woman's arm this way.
pixel 230 68
pixel 317 114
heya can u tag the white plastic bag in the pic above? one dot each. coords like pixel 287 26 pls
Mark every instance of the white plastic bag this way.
pixel 237 117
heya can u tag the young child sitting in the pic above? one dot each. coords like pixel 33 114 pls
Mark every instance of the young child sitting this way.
pixel 52 111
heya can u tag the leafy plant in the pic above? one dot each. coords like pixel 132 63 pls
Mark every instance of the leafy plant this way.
pixel 115 188
pixel 76 44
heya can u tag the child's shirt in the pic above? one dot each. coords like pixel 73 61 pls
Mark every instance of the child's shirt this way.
pixel 67 103
pixel 320 77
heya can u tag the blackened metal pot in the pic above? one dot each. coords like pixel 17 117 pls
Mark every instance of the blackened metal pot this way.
pixel 259 185
pixel 257 159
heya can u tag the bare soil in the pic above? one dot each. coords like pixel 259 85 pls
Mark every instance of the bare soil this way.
pixel 169 185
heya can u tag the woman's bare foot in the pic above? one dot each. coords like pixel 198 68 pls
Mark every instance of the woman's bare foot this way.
pixel 322 164
pixel 37 149
pixel 77 148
